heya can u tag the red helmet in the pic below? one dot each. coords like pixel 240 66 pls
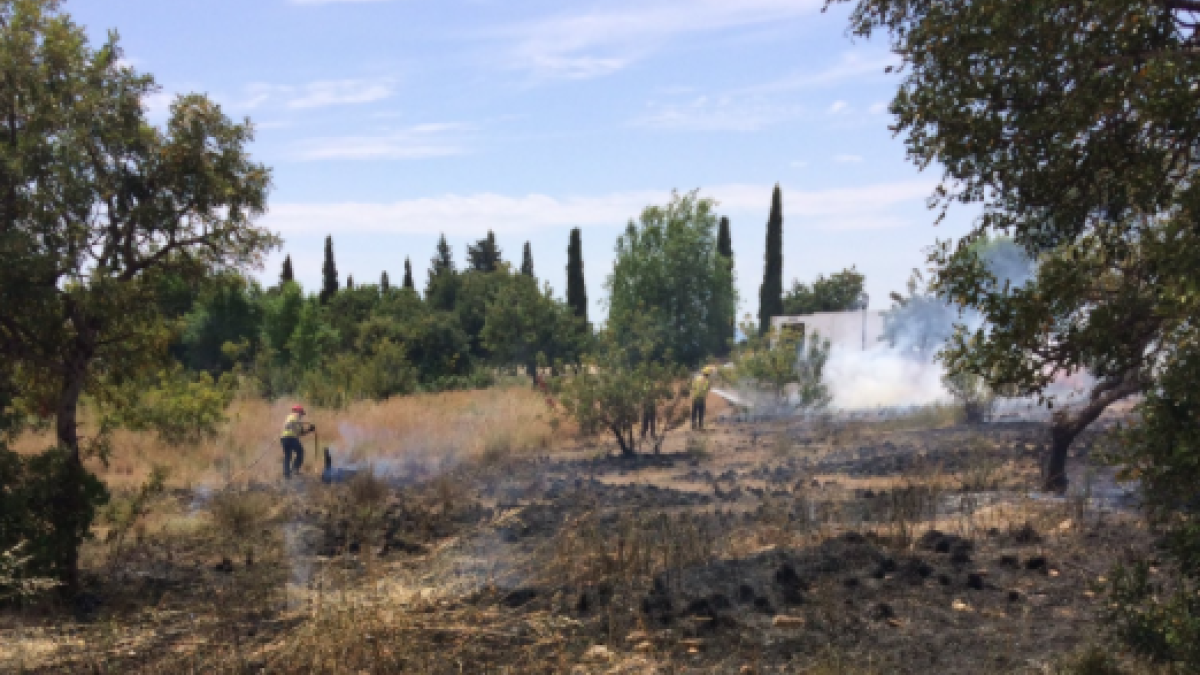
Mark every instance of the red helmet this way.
pixel 298 409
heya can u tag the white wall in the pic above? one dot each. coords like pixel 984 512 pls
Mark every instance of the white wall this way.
pixel 844 330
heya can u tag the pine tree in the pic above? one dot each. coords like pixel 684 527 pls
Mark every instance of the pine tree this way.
pixel 576 288
pixel 484 255
pixel 408 279
pixel 286 275
pixel 725 248
pixel 527 261
pixel 329 275
pixel 770 294
pixel 385 284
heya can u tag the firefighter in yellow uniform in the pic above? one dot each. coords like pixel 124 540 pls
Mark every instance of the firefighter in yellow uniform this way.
pixel 700 385
pixel 289 438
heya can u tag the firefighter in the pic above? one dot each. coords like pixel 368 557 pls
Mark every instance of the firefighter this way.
pixel 293 450
pixel 700 396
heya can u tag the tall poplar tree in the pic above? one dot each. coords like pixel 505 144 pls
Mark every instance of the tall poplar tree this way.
pixel 527 261
pixel 385 284
pixel 576 288
pixel 350 282
pixel 770 294
pixel 286 275
pixel 408 278
pixel 329 275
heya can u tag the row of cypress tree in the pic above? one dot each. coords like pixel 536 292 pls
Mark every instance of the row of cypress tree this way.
pixel 484 256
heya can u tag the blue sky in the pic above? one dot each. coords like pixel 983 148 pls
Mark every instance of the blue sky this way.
pixel 387 122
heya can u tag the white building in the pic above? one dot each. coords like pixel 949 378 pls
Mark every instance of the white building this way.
pixel 856 330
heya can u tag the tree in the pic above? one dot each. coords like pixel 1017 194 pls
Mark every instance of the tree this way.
pixel 408 277
pixel 385 284
pixel 441 289
pixel 525 325
pixel 484 255
pixel 329 274
pixel 527 261
pixel 779 361
pixel 576 284
pixel 1067 122
pixel 227 313
pixel 96 205
pixel 286 275
pixel 839 292
pixel 725 248
pixel 667 268
pixel 770 294
pixel 350 282
pixel 621 383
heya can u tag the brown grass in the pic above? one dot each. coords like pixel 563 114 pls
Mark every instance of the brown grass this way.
pixel 443 427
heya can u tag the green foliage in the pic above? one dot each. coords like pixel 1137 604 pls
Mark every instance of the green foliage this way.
pixel 973 393
pixel 619 385
pixel 178 406
pixel 329 273
pixel 527 261
pixel 382 372
pixel 79 291
pixel 385 284
pixel 408 277
pixel 228 312
pixel 484 255
pixel 781 361
pixel 441 290
pixel 286 276
pixel 281 316
pixel 668 270
pixel 1157 615
pixel 838 292
pixel 525 325
pixel 476 292
pixel 312 339
pixel 770 294
pixel 576 284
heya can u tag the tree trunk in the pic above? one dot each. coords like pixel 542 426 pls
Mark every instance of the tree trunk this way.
pixel 69 505
pixel 626 444
pixel 1065 426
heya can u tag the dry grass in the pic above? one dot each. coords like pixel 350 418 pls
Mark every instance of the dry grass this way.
pixel 429 429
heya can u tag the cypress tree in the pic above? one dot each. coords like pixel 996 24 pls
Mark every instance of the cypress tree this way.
pixel 725 248
pixel 441 290
pixel 484 256
pixel 527 261
pixel 286 276
pixel 350 282
pixel 576 290
pixel 408 280
pixel 770 294
pixel 385 284
pixel 329 275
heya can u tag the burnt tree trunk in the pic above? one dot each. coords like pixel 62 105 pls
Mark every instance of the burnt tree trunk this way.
pixel 1066 425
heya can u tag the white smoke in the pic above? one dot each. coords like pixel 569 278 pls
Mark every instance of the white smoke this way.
pixel 882 377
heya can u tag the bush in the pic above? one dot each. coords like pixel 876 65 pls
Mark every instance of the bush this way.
pixel 180 408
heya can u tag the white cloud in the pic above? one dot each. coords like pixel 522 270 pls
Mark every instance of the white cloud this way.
pixel 422 141
pixel 319 94
pixel 838 106
pixel 847 159
pixel 599 42
pixel 857 208
pixel 853 65
pixel 723 114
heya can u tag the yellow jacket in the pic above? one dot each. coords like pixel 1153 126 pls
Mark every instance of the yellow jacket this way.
pixel 700 387
pixel 293 427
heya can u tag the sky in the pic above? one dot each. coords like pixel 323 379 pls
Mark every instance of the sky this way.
pixel 389 122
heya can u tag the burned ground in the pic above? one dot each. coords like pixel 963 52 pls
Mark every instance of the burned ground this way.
pixel 775 546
